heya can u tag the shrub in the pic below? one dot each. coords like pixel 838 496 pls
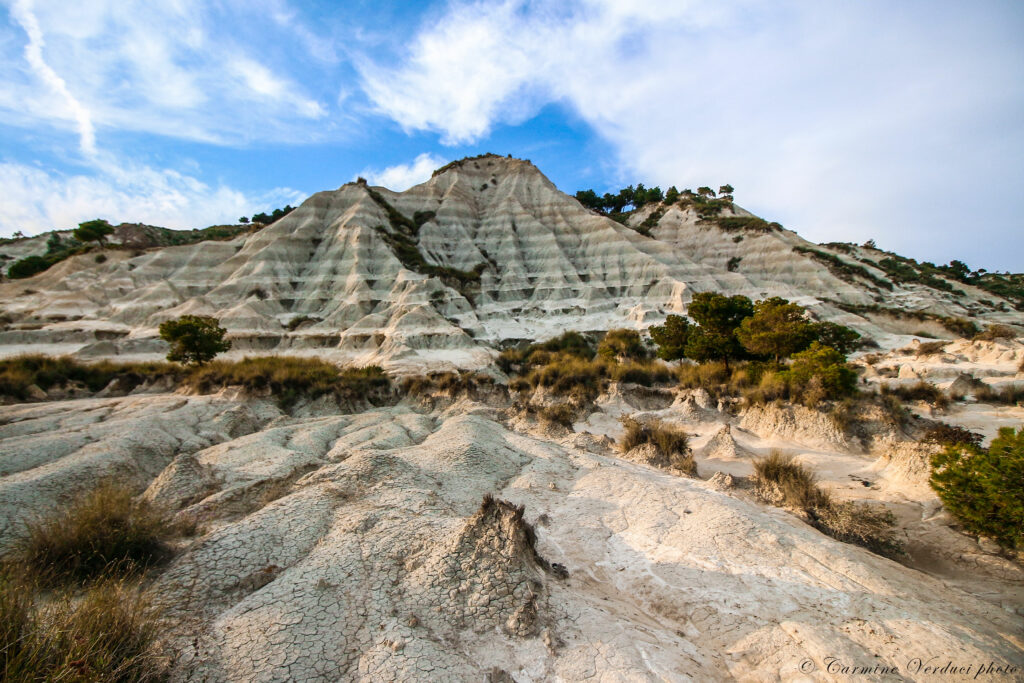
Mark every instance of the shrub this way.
pixel 28 266
pixel 921 391
pixel 295 322
pixel 100 258
pixel 984 488
pixel 825 365
pixel 644 373
pixel 450 383
pixel 734 264
pixel 844 270
pixel 993 332
pixel 103 531
pixel 950 435
pixel 622 344
pixel 776 329
pixel 670 442
pixel 559 414
pixel 110 633
pixel 871 527
pixel 960 326
pixel 194 339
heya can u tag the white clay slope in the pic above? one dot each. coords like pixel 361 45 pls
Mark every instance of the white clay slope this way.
pixel 545 264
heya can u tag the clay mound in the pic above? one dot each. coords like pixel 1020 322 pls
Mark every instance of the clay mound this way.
pixel 723 446
pixel 798 424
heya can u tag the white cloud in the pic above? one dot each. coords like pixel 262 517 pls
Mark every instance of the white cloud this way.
pixel 121 194
pixel 844 121
pixel 403 176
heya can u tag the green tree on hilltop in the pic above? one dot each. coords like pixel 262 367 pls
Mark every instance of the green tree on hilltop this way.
pixel 95 230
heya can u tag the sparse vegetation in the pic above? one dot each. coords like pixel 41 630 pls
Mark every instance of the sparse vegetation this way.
pixel 780 480
pixel 21 372
pixel 931 348
pixel 984 488
pixel 844 270
pixel 288 378
pixel 746 224
pixel 298 320
pixel 1009 395
pixel 670 443
pixel 558 414
pixel 101 533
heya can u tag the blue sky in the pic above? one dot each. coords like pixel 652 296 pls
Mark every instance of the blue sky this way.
pixel 902 122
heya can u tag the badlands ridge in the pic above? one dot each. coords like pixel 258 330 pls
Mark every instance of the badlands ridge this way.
pixel 451 535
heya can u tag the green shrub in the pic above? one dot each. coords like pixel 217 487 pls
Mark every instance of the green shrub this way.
pixel 826 367
pixel 670 443
pixel 103 532
pixel 194 339
pixel 844 270
pixel 984 488
pixel 109 633
pixel 671 337
pixel 746 223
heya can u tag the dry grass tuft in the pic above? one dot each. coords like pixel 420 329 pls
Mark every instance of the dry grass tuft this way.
pixel 108 633
pixel 779 480
pixel 101 533
pixel 559 414
pixel 670 443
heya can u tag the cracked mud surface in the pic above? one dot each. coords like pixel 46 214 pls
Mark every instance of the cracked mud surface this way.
pixel 365 547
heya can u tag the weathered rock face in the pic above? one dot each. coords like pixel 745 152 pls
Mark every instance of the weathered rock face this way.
pixel 486 251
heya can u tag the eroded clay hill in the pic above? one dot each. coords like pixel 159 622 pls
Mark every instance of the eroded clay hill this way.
pixel 486 251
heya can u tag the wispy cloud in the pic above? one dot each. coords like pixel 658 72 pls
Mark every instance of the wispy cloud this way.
pixel 403 176
pixel 221 72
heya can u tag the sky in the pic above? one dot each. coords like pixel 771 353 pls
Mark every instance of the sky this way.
pixel 845 121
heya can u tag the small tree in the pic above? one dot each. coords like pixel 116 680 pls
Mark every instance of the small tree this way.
pixel 725 189
pixel 718 317
pixel 984 489
pixel 194 339
pixel 94 231
pixel 244 220
pixel 778 329
pixel 622 344
pixel 671 195
pixel 53 244
pixel 705 191
pixel 671 337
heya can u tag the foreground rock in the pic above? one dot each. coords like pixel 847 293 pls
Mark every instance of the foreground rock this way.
pixel 397 544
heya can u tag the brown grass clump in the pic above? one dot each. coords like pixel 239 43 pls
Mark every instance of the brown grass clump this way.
pixel 450 383
pixel 1009 395
pixel 108 633
pixel 102 532
pixel 930 348
pixel 670 442
pixel 993 332
pixel 559 414
pixel 288 378
pixel 782 481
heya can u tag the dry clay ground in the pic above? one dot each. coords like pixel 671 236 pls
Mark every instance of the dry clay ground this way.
pixel 365 547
